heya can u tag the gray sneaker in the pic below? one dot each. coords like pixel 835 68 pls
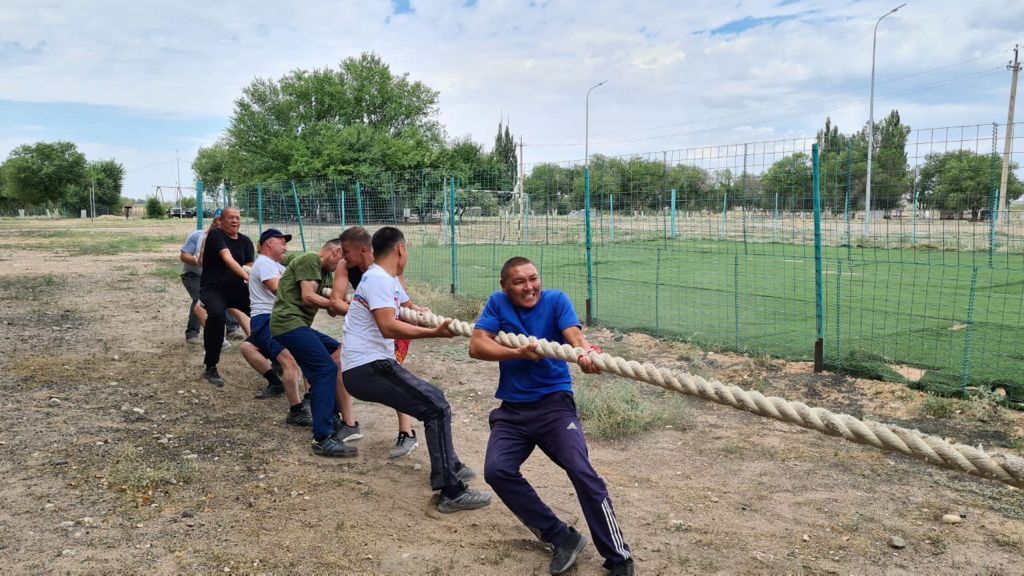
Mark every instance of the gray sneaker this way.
pixel 465 473
pixel 334 448
pixel 468 499
pixel 344 432
pixel 193 339
pixel 300 418
pixel 403 446
pixel 237 334
pixel 225 345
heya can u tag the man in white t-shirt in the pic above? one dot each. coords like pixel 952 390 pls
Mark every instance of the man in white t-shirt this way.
pixel 372 374
pixel 260 348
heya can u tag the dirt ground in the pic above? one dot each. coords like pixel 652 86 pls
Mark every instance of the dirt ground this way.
pixel 117 458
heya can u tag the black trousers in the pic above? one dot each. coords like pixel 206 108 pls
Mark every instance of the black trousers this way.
pixel 217 299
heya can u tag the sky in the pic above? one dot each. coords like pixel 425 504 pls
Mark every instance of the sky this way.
pixel 148 83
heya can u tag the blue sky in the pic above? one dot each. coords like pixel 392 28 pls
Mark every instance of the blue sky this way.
pixel 138 81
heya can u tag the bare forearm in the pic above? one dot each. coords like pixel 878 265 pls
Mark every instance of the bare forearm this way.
pixel 483 346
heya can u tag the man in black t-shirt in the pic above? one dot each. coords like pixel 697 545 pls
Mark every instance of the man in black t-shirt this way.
pixel 223 285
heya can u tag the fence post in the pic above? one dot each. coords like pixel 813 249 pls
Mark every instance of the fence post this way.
pixel 725 216
pixel 657 294
pixel 341 202
pixel 736 298
pixel 590 259
pixel 611 214
pixel 359 202
pixel 994 212
pixel 298 215
pixel 744 200
pixel 819 304
pixel 775 219
pixel 673 232
pixel 839 301
pixel 199 204
pixel 451 232
pixel 964 375
pixel 259 206
pixel 846 208
pixel 526 219
pixel 913 222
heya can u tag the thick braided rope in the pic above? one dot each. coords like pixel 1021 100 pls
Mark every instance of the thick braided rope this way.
pixel 1003 467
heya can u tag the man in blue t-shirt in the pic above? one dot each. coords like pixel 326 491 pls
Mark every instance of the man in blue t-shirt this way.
pixel 538 410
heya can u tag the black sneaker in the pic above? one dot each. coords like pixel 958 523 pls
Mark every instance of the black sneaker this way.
pixel 333 448
pixel 564 555
pixel 465 473
pixel 271 391
pixel 213 377
pixel 468 499
pixel 622 568
pixel 300 418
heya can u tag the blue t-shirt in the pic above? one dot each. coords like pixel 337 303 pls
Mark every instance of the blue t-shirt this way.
pixel 524 380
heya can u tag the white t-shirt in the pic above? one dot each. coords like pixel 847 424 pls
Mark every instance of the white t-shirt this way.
pixel 363 341
pixel 261 299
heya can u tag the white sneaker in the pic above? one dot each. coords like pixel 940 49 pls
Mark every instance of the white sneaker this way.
pixel 403 446
pixel 225 345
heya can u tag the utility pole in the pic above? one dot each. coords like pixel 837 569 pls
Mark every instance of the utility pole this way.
pixel 1008 148
pixel 177 161
pixel 92 198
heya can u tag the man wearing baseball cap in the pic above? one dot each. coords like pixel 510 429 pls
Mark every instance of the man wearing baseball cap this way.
pixel 259 346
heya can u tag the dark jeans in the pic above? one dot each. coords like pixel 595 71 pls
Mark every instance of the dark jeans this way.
pixel 550 424
pixel 191 282
pixel 217 299
pixel 312 351
pixel 387 382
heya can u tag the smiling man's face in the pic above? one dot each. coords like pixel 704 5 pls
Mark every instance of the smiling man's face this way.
pixel 522 286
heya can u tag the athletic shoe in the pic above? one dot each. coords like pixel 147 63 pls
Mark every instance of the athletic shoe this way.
pixel 225 345
pixel 333 448
pixel 270 391
pixel 468 499
pixel 465 473
pixel 404 445
pixel 344 432
pixel 306 401
pixel 193 339
pixel 564 555
pixel 237 334
pixel 213 377
pixel 622 568
pixel 300 418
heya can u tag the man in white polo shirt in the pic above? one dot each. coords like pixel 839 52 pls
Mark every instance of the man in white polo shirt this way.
pixel 372 374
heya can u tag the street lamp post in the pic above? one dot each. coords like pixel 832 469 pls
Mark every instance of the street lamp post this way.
pixel 586 206
pixel 871 120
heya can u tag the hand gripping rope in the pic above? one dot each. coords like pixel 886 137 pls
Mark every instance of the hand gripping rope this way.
pixel 1003 467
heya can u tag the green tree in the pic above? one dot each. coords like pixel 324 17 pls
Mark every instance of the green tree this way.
pixel 155 208
pixel 890 177
pixel 791 179
pixel 963 180
pixel 353 120
pixel 44 172
pixel 504 157
pixel 108 178
pixel 211 164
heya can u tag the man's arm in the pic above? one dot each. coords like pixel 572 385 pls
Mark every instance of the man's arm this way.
pixel 309 295
pixel 391 327
pixel 338 305
pixel 235 267
pixel 271 283
pixel 484 346
pixel 189 259
pixel 408 303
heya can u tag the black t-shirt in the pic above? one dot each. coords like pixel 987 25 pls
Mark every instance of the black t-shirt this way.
pixel 354 276
pixel 215 270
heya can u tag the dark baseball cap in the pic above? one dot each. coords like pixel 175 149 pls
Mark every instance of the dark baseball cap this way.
pixel 274 233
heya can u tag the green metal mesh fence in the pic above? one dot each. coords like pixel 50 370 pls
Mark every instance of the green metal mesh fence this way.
pixel 728 246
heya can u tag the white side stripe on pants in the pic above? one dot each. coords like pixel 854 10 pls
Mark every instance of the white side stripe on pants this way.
pixel 613 527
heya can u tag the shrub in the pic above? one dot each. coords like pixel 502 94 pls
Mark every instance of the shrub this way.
pixel 154 208
pixel 621 408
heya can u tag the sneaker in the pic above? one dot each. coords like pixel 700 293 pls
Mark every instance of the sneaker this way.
pixel 193 339
pixel 270 391
pixel 622 568
pixel 404 445
pixel 301 418
pixel 465 473
pixel 306 401
pixel 333 448
pixel 468 499
pixel 213 377
pixel 344 432
pixel 237 334
pixel 225 345
pixel 564 555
